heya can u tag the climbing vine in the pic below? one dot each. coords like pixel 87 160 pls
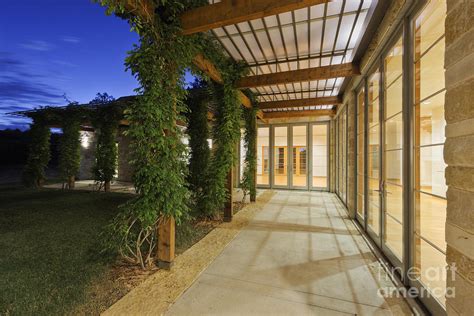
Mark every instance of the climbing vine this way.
pixel 226 126
pixel 105 120
pixel 39 151
pixel 199 151
pixel 159 63
pixel 69 145
pixel 250 166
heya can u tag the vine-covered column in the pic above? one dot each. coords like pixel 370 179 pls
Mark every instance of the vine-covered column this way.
pixel 199 151
pixel 106 125
pixel 144 230
pixel 249 180
pixel 38 153
pixel 226 134
pixel 69 145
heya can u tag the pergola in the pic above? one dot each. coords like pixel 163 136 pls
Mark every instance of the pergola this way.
pixel 300 53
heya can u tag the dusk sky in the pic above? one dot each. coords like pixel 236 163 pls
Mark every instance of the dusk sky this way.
pixel 49 48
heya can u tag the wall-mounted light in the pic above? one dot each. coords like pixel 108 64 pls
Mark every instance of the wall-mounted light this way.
pixel 85 139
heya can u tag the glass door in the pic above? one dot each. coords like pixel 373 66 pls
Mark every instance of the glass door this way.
pixel 392 170
pixel 319 156
pixel 374 157
pixel 299 157
pixel 263 156
pixel 428 181
pixel 280 156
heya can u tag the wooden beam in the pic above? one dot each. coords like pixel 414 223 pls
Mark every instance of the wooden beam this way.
pixel 229 12
pixel 300 102
pixel 308 74
pixel 145 9
pixel 209 69
pixel 288 114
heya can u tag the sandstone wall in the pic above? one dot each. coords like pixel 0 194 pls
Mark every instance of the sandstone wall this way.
pixel 459 152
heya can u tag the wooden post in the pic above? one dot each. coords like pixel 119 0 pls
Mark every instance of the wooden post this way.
pixel 229 204
pixel 166 243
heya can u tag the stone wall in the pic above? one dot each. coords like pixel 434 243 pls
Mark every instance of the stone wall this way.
pixel 459 152
pixel 125 172
pixel 88 144
pixel 350 102
pixel 332 156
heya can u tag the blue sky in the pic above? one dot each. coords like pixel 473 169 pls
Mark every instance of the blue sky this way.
pixel 49 48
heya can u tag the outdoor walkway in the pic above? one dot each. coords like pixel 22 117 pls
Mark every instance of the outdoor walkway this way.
pixel 299 255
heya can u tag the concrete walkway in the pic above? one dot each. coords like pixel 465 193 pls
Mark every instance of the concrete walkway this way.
pixel 300 255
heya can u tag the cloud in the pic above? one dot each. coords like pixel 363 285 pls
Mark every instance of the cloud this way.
pixel 71 39
pixel 41 46
pixel 21 89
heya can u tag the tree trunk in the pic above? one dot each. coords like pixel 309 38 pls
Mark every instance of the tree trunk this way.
pixel 107 186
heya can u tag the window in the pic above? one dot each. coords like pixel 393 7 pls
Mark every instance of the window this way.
pixel 393 149
pixel 428 113
pixel 319 155
pixel 373 153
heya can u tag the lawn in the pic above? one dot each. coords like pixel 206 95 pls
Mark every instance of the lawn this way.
pixel 50 260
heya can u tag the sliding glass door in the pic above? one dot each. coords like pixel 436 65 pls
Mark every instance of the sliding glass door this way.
pixel 373 155
pixel 263 156
pixel 392 154
pixel 280 156
pixel 319 156
pixel 299 158
pixel 401 189
pixel 293 156
pixel 429 187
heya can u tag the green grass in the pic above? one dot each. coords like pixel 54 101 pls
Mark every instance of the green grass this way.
pixel 50 260
pixel 49 248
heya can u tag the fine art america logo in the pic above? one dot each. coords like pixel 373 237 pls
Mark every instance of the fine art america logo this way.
pixel 434 277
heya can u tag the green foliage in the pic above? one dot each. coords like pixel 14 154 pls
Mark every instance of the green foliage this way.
pixel 69 145
pixel 226 129
pixel 226 134
pixel 158 64
pixel 250 138
pixel 39 152
pixel 200 153
pixel 105 120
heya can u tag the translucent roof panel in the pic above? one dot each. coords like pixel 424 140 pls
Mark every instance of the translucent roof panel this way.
pixel 320 35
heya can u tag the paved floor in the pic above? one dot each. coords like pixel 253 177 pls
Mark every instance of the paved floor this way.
pixel 300 255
